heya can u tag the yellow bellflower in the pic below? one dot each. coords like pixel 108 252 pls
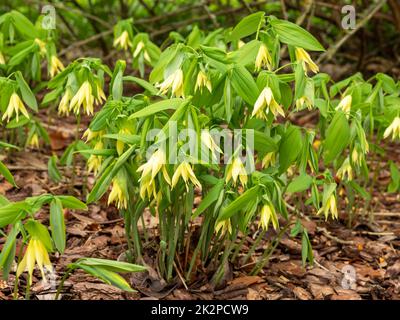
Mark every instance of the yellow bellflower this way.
pixel 266 101
pixel 56 66
pixel 224 225
pixel 123 41
pixel 84 97
pixel 306 61
pixel 42 46
pixel 119 193
pixel 345 170
pixel 209 142
pixel 202 81
pixel 149 171
pixel 2 60
pixel 63 107
pixel 173 82
pixel 35 253
pixel 185 171
pixel 236 170
pixel 393 129
pixel 303 101
pixel 90 135
pixel 15 105
pixel 34 141
pixel 94 161
pixel 268 160
pixel 268 214
pixel 345 105
pixel 329 207
pixel 263 58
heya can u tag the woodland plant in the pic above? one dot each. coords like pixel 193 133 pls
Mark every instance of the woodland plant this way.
pixel 146 152
pixel 215 121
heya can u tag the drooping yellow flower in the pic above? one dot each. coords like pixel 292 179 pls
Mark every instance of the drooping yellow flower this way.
pixel 119 193
pixel 209 142
pixel 236 170
pixel 306 61
pixel 154 164
pixel 345 105
pixel 35 253
pixel 149 170
pixel 100 95
pixel 202 81
pixel 120 144
pixel 393 129
pixel 185 171
pixel 94 161
pixel 268 214
pixel 15 105
pixel 173 82
pixel 141 46
pixel 303 101
pixel 90 135
pixel 123 41
pixel 329 207
pixel 84 98
pixel 263 58
pixel 240 44
pixel 55 66
pixel 2 60
pixel 268 160
pixel 345 170
pixel 42 46
pixel 356 157
pixel 34 141
pixel 266 101
pixel 224 225
pixel 63 107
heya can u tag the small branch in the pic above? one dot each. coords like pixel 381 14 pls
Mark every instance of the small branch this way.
pixel 336 46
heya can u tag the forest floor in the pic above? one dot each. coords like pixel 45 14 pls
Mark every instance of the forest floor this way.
pixel 370 246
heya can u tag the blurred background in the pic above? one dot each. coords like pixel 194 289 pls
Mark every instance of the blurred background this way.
pixel 371 45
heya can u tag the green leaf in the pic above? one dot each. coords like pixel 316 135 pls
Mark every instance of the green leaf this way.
pixel 264 143
pixel 143 83
pixel 104 181
pixel 116 81
pixel 289 148
pixel 247 26
pixel 239 203
pixel 337 137
pixel 126 138
pixel 106 275
pixel 7 254
pixel 244 84
pixel 170 104
pixel 300 183
pixel 209 199
pixel 71 202
pixel 7 174
pixel 12 213
pixel 395 178
pixel 57 224
pixel 112 265
pixel 291 34
pixel 27 94
pixel 38 230
pixel 52 169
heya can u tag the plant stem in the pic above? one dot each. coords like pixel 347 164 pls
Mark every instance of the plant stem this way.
pixel 60 286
